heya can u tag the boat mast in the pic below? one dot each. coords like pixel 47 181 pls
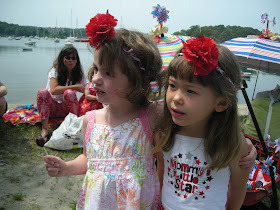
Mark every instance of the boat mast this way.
pixel 71 22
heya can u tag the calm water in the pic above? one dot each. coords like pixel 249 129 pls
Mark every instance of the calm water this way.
pixel 24 72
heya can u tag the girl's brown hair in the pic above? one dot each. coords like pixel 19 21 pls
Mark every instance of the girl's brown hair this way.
pixel 223 136
pixel 140 74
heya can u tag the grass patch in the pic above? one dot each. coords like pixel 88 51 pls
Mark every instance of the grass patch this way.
pixel 18 197
pixel 73 205
pixel 17 144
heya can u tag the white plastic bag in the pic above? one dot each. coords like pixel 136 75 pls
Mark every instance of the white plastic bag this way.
pixel 68 135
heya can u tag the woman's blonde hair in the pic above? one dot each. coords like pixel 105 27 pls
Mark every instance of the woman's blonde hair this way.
pixel 141 65
pixel 223 136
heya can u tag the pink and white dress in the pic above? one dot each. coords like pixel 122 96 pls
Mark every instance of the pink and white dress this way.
pixel 121 173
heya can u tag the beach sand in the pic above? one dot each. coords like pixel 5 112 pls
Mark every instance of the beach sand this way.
pixel 39 191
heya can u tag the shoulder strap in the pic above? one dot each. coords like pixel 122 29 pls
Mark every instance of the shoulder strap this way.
pixel 91 120
pixel 143 116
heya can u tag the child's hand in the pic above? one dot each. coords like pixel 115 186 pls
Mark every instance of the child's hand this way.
pixel 80 88
pixel 55 166
pixel 249 160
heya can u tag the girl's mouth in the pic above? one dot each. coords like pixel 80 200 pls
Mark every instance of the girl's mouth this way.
pixel 98 91
pixel 176 113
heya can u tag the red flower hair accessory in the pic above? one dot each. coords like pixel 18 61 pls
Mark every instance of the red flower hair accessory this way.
pixel 203 53
pixel 100 28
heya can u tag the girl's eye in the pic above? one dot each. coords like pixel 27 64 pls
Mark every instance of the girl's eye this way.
pixel 191 91
pixel 171 85
pixel 95 69
pixel 108 73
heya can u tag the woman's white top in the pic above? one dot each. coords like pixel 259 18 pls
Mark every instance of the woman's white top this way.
pixel 187 183
pixel 53 74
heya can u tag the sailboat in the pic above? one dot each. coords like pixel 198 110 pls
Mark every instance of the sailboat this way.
pixel 56 40
pixel 79 39
pixel 70 38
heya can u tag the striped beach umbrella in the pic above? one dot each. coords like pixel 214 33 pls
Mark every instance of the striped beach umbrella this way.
pixel 168 46
pixel 261 54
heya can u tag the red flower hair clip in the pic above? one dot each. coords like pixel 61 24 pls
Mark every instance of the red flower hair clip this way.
pixel 203 53
pixel 100 28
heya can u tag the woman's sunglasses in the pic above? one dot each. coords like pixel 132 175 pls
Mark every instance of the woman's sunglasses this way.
pixel 73 58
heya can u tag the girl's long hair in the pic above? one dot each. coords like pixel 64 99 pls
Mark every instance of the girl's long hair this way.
pixel 223 135
pixel 77 72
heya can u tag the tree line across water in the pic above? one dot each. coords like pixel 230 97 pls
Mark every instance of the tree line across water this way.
pixel 7 29
pixel 219 33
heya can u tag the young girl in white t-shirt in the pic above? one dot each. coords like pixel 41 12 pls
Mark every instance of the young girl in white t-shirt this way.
pixel 200 135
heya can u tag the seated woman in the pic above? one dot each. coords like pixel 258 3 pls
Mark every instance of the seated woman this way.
pixel 3 102
pixel 65 78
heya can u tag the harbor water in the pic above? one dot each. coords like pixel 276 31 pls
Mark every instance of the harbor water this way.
pixel 24 70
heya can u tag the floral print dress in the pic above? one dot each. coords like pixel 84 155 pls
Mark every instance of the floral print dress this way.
pixel 121 173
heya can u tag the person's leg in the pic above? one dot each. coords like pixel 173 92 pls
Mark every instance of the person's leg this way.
pixel 44 101
pixel 70 102
pixel 3 106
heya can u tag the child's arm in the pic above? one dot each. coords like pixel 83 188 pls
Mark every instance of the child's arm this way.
pixel 56 167
pixel 249 160
pixel 88 96
pixel 238 180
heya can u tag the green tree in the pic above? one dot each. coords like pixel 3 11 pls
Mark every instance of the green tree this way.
pixel 219 33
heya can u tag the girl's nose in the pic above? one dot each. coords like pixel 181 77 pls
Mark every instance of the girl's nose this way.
pixel 96 77
pixel 178 97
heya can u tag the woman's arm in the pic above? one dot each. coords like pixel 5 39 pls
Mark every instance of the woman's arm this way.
pixel 57 89
pixel 238 180
pixel 56 167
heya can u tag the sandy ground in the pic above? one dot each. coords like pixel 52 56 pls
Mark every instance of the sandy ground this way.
pixel 38 189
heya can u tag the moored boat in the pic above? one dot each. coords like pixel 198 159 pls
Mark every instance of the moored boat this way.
pixel 56 40
pixel 30 43
pixel 27 49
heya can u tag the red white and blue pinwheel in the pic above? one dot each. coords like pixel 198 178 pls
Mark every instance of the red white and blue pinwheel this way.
pixel 264 17
pixel 161 13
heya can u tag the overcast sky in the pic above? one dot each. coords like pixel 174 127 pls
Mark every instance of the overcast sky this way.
pixel 136 14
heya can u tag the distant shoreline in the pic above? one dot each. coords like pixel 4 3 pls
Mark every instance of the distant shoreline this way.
pixel 242 108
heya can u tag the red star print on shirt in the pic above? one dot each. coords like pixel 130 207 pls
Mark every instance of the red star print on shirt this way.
pixel 201 193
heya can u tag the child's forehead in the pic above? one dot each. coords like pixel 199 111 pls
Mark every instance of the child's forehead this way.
pixel 186 82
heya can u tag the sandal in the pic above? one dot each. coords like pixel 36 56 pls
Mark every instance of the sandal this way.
pixel 40 140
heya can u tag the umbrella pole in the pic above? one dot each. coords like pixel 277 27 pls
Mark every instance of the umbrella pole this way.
pixel 274 199
pixel 255 85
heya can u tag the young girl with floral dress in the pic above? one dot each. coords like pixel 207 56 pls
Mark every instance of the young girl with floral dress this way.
pixel 118 139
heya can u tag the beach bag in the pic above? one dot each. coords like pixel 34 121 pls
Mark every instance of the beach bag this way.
pixel 68 135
